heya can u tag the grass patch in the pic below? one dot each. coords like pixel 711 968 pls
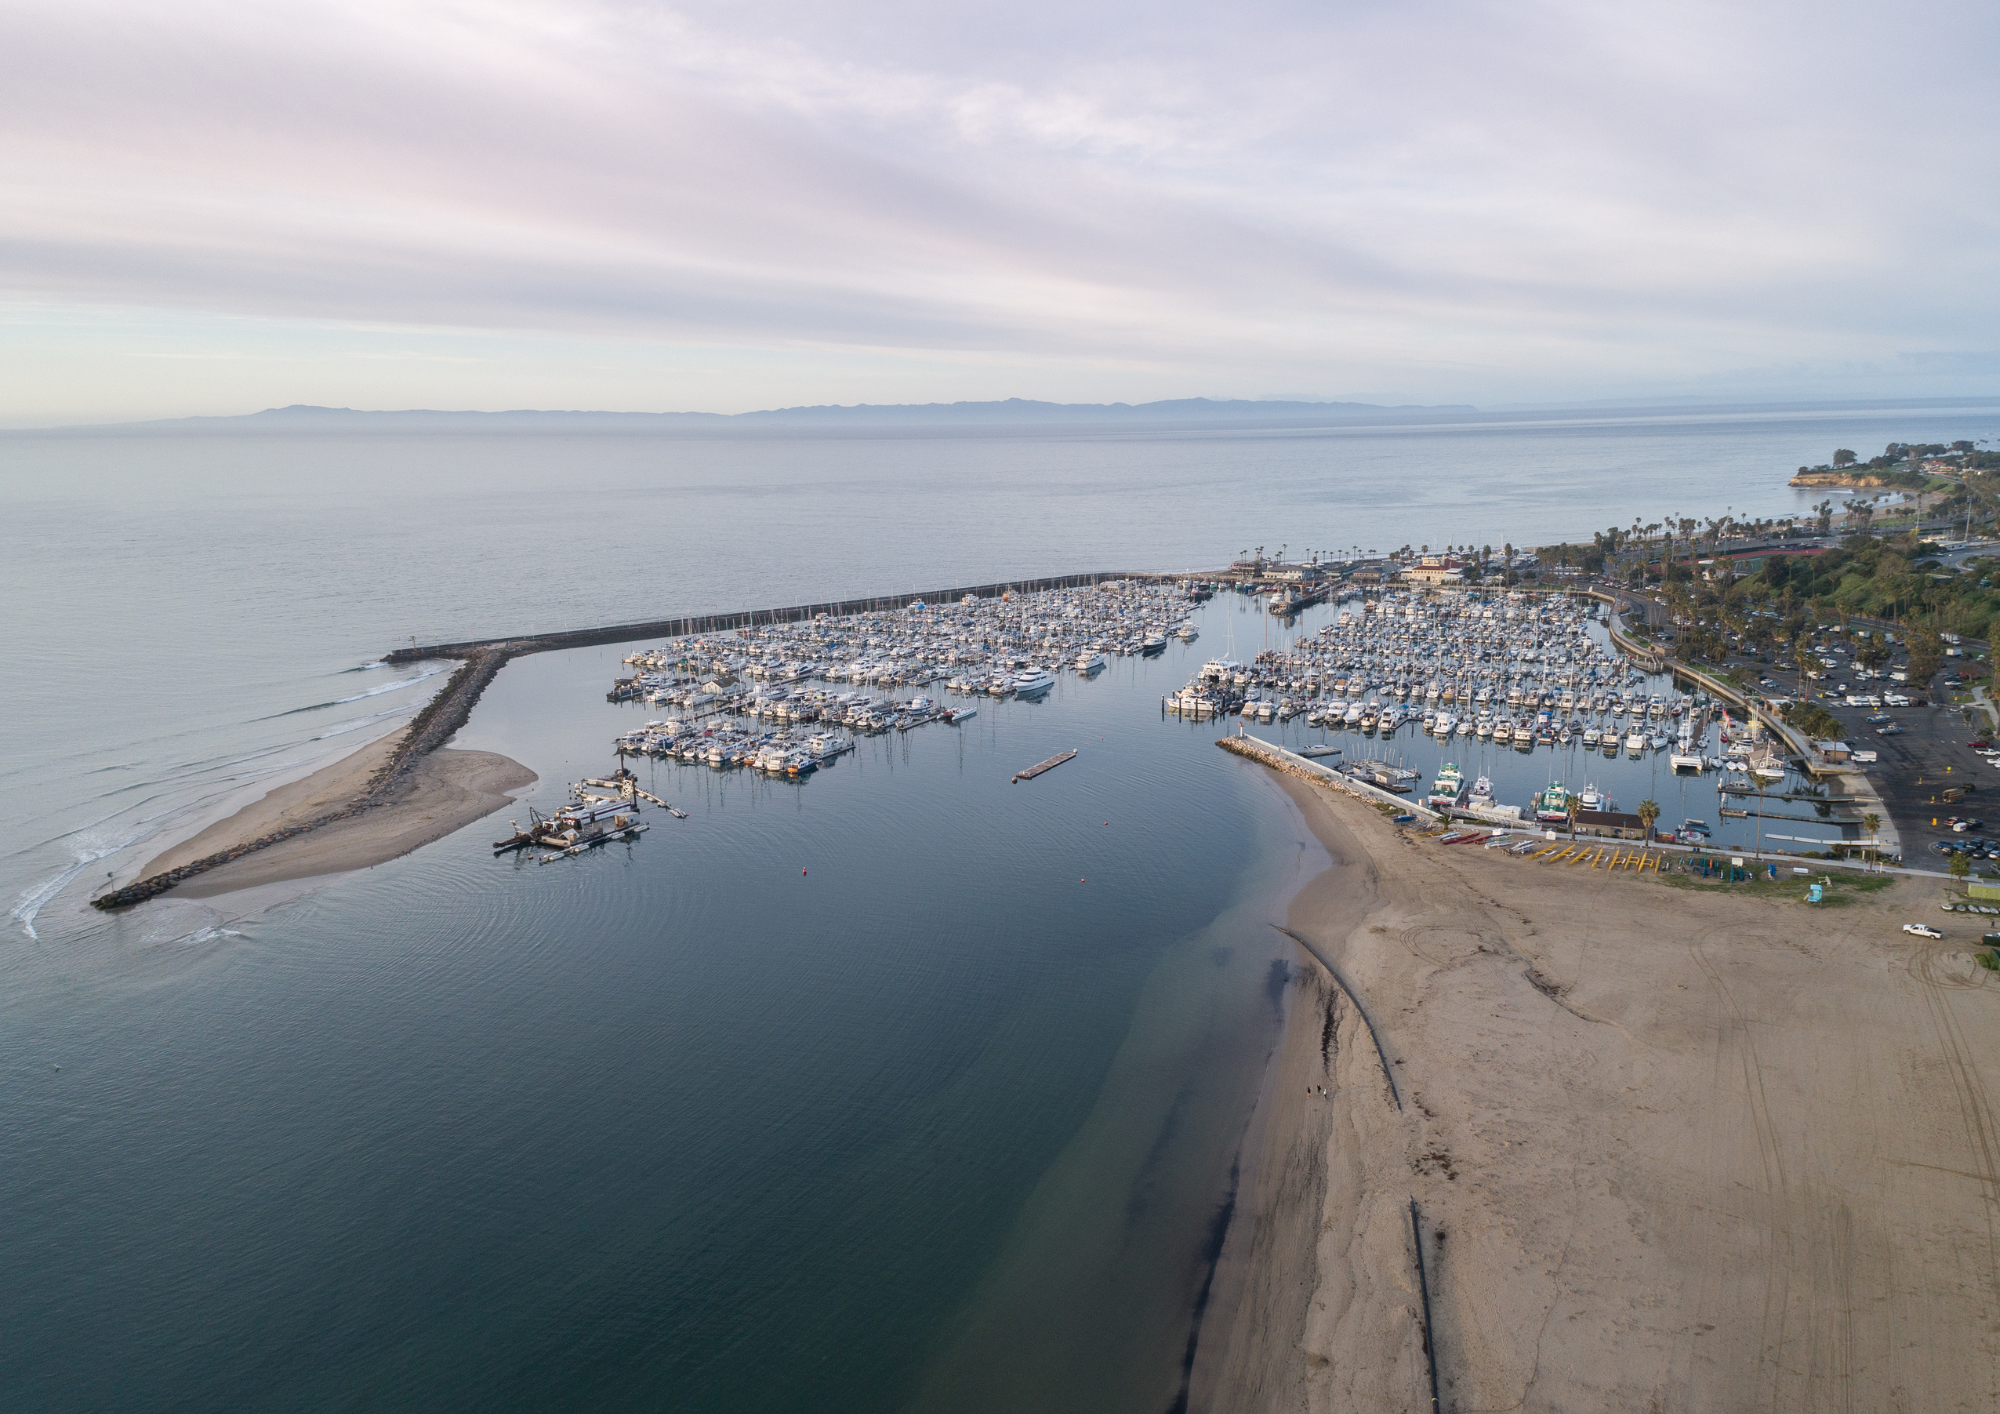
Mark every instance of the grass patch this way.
pixel 1838 891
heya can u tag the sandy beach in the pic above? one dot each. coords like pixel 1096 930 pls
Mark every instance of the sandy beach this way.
pixel 1673 1148
pixel 444 791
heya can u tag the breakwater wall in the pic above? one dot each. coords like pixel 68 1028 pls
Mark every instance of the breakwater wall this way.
pixel 1279 759
pixel 750 618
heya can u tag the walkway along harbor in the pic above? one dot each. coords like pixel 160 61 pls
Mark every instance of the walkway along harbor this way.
pixel 441 718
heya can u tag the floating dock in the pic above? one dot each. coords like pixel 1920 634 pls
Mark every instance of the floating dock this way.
pixel 1041 766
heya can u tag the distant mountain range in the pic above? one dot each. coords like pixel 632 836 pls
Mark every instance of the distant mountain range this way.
pixel 1013 412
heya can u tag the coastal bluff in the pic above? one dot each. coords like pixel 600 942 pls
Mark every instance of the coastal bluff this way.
pixel 1859 480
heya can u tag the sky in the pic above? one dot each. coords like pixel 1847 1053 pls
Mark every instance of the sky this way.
pixel 212 207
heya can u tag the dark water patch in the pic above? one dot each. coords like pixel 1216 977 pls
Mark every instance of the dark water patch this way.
pixel 1276 979
pixel 1211 1256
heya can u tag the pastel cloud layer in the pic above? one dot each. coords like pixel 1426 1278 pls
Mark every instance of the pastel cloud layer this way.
pixel 209 206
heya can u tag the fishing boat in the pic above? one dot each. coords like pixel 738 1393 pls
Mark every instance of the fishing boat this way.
pixel 1552 805
pixel 1448 790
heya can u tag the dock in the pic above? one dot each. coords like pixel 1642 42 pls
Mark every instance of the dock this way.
pixel 1041 766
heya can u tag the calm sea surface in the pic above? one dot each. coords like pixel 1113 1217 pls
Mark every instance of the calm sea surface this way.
pixel 845 1095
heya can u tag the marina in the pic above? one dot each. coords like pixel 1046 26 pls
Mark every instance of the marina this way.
pixel 788 698
pixel 1505 709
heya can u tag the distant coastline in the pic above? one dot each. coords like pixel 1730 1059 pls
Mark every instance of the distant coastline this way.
pixel 989 416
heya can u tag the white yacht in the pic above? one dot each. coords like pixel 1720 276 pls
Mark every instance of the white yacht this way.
pixel 1030 682
pixel 1088 663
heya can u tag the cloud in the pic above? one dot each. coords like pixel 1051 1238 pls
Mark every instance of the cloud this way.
pixel 1546 192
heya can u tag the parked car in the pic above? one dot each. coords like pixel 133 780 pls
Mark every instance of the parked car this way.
pixel 1877 718
pixel 1922 930
pixel 1964 827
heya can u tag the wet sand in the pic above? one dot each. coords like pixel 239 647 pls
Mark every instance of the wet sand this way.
pixel 445 791
pixel 1674 1148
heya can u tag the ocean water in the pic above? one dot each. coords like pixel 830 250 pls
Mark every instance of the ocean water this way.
pixel 849 1095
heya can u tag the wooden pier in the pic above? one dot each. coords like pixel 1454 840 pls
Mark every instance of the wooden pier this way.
pixel 1041 766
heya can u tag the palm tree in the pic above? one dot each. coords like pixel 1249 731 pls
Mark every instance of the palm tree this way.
pixel 1649 813
pixel 1871 822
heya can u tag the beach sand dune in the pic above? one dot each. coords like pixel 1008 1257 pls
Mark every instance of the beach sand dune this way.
pixel 1673 1148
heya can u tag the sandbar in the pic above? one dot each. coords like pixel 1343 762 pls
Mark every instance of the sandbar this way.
pixel 442 791
pixel 1673 1148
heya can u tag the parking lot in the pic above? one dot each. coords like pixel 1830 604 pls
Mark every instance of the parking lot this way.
pixel 1929 754
pixel 1917 765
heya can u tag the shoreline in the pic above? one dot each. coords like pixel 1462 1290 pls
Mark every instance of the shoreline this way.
pixel 1672 1147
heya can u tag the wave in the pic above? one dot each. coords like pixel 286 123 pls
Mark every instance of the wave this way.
pixel 359 723
pixel 204 935
pixel 396 686
pixel 31 902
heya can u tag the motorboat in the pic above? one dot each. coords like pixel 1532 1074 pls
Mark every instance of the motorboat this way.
pixel 1448 790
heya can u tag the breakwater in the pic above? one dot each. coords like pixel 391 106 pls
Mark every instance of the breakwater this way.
pixel 750 618
pixel 445 713
pixel 1279 759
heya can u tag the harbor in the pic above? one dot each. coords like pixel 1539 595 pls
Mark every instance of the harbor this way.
pixel 789 698
pixel 1505 709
